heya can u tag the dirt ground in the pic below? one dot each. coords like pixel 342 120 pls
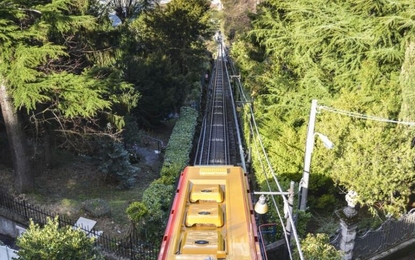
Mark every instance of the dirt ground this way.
pixel 76 179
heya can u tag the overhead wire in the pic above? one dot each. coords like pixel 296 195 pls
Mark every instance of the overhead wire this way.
pixel 264 171
pixel 363 116
pixel 285 200
pixel 254 130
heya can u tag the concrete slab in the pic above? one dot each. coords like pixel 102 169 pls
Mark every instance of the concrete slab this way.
pixel 85 224
pixel 7 253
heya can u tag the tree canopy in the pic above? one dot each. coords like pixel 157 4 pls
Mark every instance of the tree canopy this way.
pixel 49 64
pixel 349 55
pixel 68 74
pixel 172 55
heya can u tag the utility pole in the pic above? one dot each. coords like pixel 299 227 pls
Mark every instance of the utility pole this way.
pixel 307 157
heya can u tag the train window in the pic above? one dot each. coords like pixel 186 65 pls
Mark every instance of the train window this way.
pixel 205 214
pixel 206 192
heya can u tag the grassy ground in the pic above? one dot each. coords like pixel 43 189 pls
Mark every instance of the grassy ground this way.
pixel 64 188
pixel 75 179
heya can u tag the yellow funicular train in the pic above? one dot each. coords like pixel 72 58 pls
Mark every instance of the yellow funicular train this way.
pixel 211 216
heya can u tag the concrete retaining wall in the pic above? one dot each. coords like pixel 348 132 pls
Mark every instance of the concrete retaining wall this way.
pixel 8 228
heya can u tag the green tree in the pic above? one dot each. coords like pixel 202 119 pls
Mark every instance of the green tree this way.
pixel 54 243
pixel 125 10
pixel 163 89
pixel 349 55
pixel 177 29
pixel 46 70
pixel 154 211
pixel 170 57
pixel 136 211
pixel 407 80
pixel 115 163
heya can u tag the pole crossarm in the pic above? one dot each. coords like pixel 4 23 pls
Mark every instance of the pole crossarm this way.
pixel 271 193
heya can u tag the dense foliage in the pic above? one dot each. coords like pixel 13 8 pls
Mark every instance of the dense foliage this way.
pixel 150 216
pixel 158 199
pixel 69 74
pixel 54 243
pixel 115 164
pixel 56 80
pixel 349 55
pixel 180 146
pixel 50 66
pixel 317 247
pixel 172 56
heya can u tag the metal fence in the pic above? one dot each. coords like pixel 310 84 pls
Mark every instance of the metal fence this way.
pixel 392 233
pixel 389 235
pixel 130 247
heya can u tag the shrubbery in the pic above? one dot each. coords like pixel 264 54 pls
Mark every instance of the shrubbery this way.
pixel 180 145
pixel 115 163
pixel 317 247
pixel 150 216
pixel 54 243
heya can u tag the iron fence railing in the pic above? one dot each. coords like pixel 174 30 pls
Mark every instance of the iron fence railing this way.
pixel 129 247
pixel 389 235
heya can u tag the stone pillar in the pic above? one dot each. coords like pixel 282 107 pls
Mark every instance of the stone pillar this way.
pixel 348 225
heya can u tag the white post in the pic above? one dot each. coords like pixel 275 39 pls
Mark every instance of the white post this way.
pixel 307 157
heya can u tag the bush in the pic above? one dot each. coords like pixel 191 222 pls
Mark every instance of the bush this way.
pixel 115 163
pixel 157 198
pixel 317 247
pixel 136 211
pixel 180 145
pixel 153 212
pixel 54 243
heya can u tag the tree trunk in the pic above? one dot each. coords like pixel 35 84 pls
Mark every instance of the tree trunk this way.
pixel 24 181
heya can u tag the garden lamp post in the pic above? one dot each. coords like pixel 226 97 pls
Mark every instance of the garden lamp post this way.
pixel 261 207
pixel 308 152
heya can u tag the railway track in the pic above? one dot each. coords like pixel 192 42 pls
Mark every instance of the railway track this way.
pixel 219 140
pixel 212 215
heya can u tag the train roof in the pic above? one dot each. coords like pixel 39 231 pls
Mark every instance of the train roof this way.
pixel 211 216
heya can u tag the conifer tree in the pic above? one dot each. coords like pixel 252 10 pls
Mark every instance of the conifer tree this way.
pixel 177 29
pixel 44 65
pixel 172 56
pixel 348 55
